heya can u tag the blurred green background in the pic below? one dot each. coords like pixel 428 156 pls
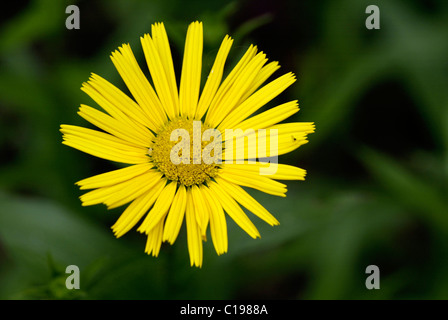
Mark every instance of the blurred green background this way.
pixel 377 165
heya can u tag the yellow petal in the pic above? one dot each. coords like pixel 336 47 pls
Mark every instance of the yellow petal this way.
pixel 257 100
pixel 218 223
pixel 134 188
pixel 194 238
pixel 176 215
pixel 201 208
pixel 228 83
pixel 261 77
pixel 191 70
pixel 239 87
pixel 241 196
pixel 160 209
pixel 233 210
pixel 254 181
pixel 165 91
pixel 214 78
pixel 261 143
pixel 283 171
pixel 163 47
pixel 137 209
pixel 294 127
pixel 135 134
pixel 139 86
pixel 114 177
pixel 154 240
pixel 116 103
pixel 122 193
pixel 270 117
pixel 103 145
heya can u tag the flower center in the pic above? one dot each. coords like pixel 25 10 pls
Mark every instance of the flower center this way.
pixel 192 170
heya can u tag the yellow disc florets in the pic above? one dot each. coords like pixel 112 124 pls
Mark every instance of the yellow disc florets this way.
pixel 192 170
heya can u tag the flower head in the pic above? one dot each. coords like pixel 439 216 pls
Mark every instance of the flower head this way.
pixel 189 153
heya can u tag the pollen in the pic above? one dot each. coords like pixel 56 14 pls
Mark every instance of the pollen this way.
pixel 189 172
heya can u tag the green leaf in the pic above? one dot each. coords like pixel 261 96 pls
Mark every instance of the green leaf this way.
pixel 32 230
pixel 413 192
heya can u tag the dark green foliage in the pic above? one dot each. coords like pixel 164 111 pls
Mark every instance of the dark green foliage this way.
pixel 376 189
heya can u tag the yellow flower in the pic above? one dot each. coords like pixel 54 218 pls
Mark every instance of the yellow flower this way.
pixel 140 133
